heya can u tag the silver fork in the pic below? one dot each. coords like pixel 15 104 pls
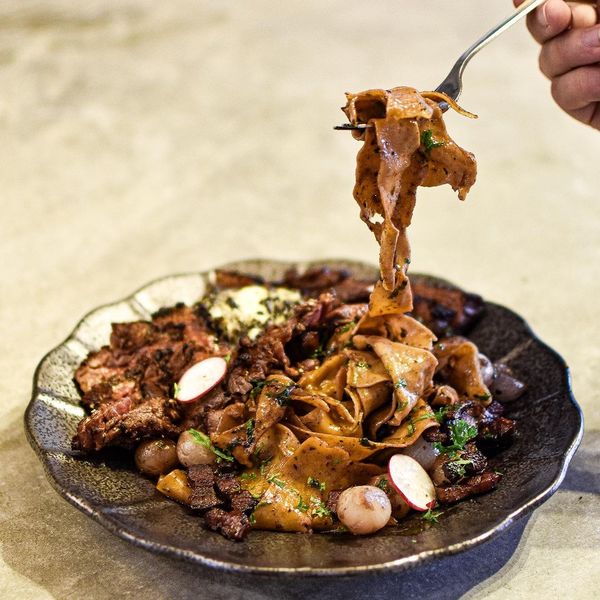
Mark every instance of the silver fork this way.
pixel 452 85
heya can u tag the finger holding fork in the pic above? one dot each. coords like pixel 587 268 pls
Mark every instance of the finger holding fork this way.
pixel 569 34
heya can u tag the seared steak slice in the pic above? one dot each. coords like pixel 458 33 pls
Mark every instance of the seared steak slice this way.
pixel 233 279
pixel 472 486
pixel 229 505
pixel 234 525
pixel 119 423
pixel 128 383
pixel 202 482
pixel 317 280
pixel 445 310
pixel 255 360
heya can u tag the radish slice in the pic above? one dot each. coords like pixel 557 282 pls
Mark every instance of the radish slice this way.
pixel 200 378
pixel 412 482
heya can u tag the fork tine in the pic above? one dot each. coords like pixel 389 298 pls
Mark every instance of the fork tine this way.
pixel 350 127
pixel 362 126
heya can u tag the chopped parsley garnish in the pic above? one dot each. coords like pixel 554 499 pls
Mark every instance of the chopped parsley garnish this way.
pixel 257 386
pixel 302 506
pixel 410 429
pixel 204 440
pixel 407 261
pixel 227 357
pixel 428 142
pixel 383 484
pixel 176 390
pixel 432 516
pixel 315 483
pixel 347 327
pixel 483 397
pixel 250 430
pixel 282 396
pixel 361 364
pixel 320 351
pixel 252 519
pixel 457 467
pixel 401 383
pixel 461 432
pixel 319 509
pixel 264 465
pixel 440 413
pixel 366 442
pixel 276 481
pixel 247 476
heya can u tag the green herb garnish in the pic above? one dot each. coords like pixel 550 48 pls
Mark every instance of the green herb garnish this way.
pixel 440 414
pixel 250 430
pixel 401 383
pixel 347 327
pixel 366 442
pixel 315 483
pixel 319 509
pixel 361 364
pixel 204 440
pixel 176 390
pixel 276 481
pixel 264 465
pixel 257 386
pixel 457 467
pixel 432 516
pixel 247 476
pixel 461 432
pixel 383 484
pixel 302 506
pixel 428 142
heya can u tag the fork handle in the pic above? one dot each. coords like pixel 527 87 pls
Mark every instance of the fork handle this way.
pixel 452 85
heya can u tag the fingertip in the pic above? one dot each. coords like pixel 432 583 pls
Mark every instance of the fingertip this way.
pixel 555 16
pixel 549 20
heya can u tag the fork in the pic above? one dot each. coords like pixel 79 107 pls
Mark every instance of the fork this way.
pixel 452 85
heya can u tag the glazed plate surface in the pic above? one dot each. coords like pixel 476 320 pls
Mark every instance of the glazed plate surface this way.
pixel 108 488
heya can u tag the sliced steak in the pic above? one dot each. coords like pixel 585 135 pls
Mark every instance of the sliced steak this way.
pixel 317 280
pixel 445 309
pixel 479 484
pixel 255 360
pixel 234 525
pixel 128 383
pixel 118 423
pixel 202 482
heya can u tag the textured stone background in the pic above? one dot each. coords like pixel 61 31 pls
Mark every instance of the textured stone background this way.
pixel 141 138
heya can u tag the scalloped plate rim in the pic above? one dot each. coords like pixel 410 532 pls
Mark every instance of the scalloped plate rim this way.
pixel 400 564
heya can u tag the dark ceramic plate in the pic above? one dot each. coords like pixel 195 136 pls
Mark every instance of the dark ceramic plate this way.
pixel 110 491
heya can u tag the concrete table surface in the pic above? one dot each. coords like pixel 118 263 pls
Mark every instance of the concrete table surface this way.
pixel 142 138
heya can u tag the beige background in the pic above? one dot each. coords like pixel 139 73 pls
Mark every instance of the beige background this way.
pixel 143 138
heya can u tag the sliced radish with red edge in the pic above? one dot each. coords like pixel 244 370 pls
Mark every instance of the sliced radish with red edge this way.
pixel 411 481
pixel 200 379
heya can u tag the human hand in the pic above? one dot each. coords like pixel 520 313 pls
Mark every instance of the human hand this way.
pixel 569 33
